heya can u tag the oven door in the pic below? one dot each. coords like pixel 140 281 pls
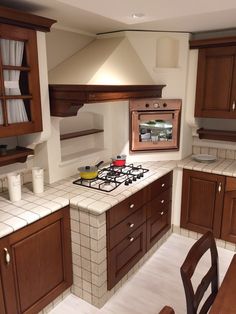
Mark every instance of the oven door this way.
pixel 154 130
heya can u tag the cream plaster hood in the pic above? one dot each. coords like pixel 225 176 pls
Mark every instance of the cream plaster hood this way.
pixel 105 61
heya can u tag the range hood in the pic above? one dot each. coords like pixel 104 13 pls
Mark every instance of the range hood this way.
pixel 105 70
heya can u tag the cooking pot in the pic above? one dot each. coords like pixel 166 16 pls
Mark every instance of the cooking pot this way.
pixel 119 160
pixel 89 172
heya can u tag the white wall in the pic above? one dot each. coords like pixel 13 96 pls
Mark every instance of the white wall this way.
pixel 63 44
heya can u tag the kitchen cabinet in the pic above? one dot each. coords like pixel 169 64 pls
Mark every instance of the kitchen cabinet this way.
pixel 202 201
pixel 135 225
pixel 216 82
pixel 229 211
pixel 36 264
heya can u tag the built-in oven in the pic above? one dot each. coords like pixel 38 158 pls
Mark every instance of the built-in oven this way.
pixel 154 124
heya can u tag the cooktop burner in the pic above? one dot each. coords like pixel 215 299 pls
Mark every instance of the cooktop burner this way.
pixel 111 177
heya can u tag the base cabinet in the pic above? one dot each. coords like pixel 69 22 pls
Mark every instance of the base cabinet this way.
pixel 209 203
pixel 202 201
pixel 135 225
pixel 36 263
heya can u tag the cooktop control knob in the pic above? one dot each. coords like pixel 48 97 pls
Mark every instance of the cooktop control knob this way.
pixel 127 182
pixel 139 176
pixel 134 178
pixel 130 180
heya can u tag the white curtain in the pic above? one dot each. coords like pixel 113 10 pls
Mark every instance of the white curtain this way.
pixel 12 54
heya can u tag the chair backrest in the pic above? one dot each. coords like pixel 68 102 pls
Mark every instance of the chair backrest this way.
pixel 167 310
pixel 193 299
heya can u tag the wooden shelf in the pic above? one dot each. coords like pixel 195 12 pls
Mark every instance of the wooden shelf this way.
pixel 66 100
pixel 79 134
pixel 19 154
pixel 219 135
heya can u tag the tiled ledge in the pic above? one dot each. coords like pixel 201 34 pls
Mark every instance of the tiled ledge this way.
pixel 221 166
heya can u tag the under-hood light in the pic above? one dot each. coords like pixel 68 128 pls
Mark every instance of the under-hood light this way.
pixel 137 15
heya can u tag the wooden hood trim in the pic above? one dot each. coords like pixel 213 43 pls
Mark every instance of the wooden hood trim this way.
pixel 66 100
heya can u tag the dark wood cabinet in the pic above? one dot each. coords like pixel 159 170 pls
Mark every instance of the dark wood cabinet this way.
pixel 216 83
pixel 135 225
pixel 36 263
pixel 228 232
pixel 202 201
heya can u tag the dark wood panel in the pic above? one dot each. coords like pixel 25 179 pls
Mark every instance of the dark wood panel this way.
pixel 125 255
pixel 212 42
pixel 41 264
pixel 66 100
pixel 158 224
pixel 120 211
pixel 215 82
pixel 228 232
pixel 219 135
pixel 19 154
pixel 230 184
pixel 160 185
pixel 68 136
pixel 23 19
pixel 127 226
pixel 159 203
pixel 202 201
pixel 2 303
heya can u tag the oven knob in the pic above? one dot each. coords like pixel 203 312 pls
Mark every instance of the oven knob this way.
pixel 130 180
pixel 141 175
pixel 147 105
pixel 164 105
pixel 156 105
pixel 134 178
pixel 138 176
pixel 127 182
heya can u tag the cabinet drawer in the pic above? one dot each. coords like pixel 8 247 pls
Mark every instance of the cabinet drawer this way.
pixel 127 226
pixel 159 204
pixel 122 210
pixel 230 184
pixel 125 255
pixel 160 185
pixel 158 225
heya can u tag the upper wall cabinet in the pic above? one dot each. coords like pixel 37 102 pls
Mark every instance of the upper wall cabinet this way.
pixel 216 79
pixel 20 105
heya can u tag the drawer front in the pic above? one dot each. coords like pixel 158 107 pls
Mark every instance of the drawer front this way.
pixel 158 225
pixel 160 185
pixel 125 255
pixel 159 204
pixel 127 226
pixel 122 210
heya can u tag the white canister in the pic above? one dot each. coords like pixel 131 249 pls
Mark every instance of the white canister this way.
pixel 14 186
pixel 38 179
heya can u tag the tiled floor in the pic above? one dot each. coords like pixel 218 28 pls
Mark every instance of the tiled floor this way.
pixel 156 284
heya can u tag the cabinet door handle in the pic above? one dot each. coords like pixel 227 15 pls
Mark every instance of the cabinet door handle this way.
pixel 131 225
pixel 162 201
pixel 7 256
pixel 162 213
pixel 131 206
pixel 233 106
pixel 163 184
pixel 131 239
pixel 219 187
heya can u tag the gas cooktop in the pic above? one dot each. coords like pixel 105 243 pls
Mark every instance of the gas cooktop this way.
pixel 109 178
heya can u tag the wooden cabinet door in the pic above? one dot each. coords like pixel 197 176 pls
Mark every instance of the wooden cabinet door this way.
pixel 216 83
pixel 202 201
pixel 2 303
pixel 125 255
pixel 228 232
pixel 41 262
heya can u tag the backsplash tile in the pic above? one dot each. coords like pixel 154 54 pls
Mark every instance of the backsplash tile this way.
pixel 218 152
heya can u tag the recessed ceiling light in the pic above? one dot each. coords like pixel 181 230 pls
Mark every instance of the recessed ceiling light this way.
pixel 137 15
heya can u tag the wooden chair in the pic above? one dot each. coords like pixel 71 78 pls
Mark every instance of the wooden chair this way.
pixel 193 299
pixel 167 310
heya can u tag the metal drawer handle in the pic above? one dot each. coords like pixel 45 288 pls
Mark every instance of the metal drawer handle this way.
pixel 162 201
pixel 131 206
pixel 163 184
pixel 233 106
pixel 162 213
pixel 131 239
pixel 7 256
pixel 131 225
pixel 219 187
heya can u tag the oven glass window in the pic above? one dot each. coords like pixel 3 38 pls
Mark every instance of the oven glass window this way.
pixel 155 130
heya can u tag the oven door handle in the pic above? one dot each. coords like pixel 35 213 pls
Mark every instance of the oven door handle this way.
pixel 156 116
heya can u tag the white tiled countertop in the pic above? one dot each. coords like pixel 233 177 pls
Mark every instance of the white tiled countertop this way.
pixel 32 207
pixel 14 216
pixel 221 166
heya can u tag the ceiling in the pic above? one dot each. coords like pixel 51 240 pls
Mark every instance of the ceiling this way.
pixel 100 16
